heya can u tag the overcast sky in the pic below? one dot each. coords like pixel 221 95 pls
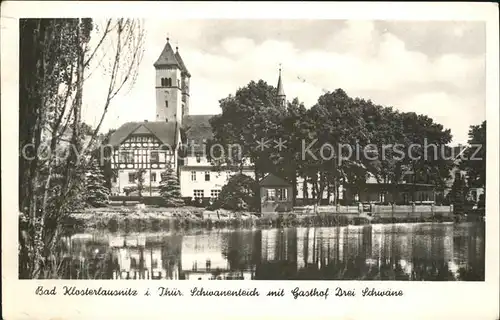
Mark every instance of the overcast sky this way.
pixel 433 68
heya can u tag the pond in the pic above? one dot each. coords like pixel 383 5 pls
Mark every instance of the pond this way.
pixel 406 251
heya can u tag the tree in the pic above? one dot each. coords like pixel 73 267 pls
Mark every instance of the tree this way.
pixel 338 141
pixel 170 189
pixel 103 152
pixel 475 156
pixel 426 161
pixel 294 129
pixel 139 180
pixel 248 117
pixel 240 193
pixel 97 194
pixel 458 193
pixel 54 57
pixel 337 128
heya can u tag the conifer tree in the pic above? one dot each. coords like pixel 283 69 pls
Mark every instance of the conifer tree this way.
pixel 458 193
pixel 170 189
pixel 97 194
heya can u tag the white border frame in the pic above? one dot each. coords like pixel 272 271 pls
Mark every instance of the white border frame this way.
pixel 458 300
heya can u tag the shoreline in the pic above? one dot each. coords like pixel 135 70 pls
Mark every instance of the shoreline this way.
pixel 186 218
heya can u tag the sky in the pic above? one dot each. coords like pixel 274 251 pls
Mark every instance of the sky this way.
pixel 434 68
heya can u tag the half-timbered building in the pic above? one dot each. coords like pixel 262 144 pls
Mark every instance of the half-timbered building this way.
pixel 145 147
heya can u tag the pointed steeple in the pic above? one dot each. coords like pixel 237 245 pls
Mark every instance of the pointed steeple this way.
pixel 167 57
pixel 181 62
pixel 281 92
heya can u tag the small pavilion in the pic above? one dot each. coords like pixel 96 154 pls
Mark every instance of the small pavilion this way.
pixel 275 195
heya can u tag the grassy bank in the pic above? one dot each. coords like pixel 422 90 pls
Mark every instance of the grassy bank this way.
pixel 129 219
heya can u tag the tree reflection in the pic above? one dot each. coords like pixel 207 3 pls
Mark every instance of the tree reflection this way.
pixel 413 252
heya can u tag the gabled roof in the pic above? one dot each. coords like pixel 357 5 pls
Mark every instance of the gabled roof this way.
pixel 142 130
pixel 167 57
pixel 181 62
pixel 166 132
pixel 273 181
pixel 198 131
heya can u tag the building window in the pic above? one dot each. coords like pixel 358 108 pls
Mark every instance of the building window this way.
pixel 381 197
pixel 214 193
pixel 153 177
pixel 127 157
pixel 193 175
pixel 207 175
pixel 166 104
pixel 271 194
pixel 198 194
pixel 166 82
pixel 130 157
pixel 281 194
pixel 154 157
pixel 131 177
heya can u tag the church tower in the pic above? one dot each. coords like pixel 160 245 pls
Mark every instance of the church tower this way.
pixel 169 82
pixel 185 83
pixel 281 97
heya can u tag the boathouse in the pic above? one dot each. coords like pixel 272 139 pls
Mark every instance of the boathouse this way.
pixel 275 195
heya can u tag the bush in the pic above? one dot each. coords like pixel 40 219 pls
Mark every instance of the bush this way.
pixel 239 194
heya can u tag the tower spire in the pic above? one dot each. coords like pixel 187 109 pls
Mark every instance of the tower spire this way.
pixel 281 98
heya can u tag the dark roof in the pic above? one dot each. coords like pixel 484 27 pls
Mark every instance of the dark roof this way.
pixel 198 131
pixel 273 181
pixel 182 64
pixel 167 57
pixel 164 131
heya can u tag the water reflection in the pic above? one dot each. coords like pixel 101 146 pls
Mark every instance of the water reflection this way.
pixel 432 252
